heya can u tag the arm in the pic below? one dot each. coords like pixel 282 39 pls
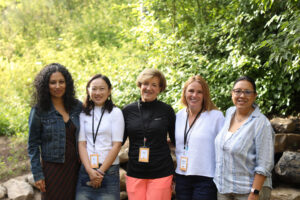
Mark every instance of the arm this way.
pixel 257 184
pixel 125 135
pixel 34 144
pixel 171 128
pixel 117 125
pixel 264 142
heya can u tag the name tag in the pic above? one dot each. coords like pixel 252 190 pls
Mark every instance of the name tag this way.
pixel 144 154
pixel 94 160
pixel 183 163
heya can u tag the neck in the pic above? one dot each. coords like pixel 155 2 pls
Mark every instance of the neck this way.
pixel 57 101
pixel 194 111
pixel 244 112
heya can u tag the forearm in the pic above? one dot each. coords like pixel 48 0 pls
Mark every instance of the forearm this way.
pixel 111 156
pixel 258 181
pixel 84 155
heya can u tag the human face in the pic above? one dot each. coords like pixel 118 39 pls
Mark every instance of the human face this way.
pixel 243 101
pixel 57 85
pixel 194 96
pixel 150 89
pixel 99 91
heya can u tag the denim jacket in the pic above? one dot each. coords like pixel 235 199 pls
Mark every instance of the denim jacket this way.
pixel 47 137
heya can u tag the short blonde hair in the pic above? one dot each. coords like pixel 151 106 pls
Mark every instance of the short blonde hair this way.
pixel 207 103
pixel 150 73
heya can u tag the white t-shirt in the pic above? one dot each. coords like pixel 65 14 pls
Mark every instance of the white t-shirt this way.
pixel 111 129
pixel 200 142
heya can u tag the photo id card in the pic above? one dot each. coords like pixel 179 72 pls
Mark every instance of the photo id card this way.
pixel 94 160
pixel 183 163
pixel 144 154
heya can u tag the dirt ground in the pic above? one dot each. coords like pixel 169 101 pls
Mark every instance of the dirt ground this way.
pixel 13 157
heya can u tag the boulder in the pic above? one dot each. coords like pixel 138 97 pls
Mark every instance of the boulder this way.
pixel 123 154
pixel 30 180
pixel 288 167
pixel 123 195
pixel 283 193
pixel 18 190
pixel 283 125
pixel 287 142
pixel 2 191
pixel 122 180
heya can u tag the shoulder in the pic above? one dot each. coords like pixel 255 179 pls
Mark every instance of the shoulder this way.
pixel 165 106
pixel 230 111
pixel 78 106
pixel 116 111
pixel 215 114
pixel 261 118
pixel 130 106
pixel 181 112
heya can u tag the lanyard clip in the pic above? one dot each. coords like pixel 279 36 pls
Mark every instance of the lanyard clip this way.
pixel 145 139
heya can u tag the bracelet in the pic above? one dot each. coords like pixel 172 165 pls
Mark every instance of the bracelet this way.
pixel 101 172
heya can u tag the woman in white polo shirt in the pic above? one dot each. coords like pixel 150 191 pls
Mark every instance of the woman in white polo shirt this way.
pixel 196 128
pixel 100 140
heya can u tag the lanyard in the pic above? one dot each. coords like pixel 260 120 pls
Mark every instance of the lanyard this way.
pixel 95 135
pixel 143 124
pixel 187 132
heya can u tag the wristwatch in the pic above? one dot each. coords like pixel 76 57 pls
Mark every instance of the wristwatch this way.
pixel 254 191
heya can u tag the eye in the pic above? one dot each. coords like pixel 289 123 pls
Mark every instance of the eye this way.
pixel 248 92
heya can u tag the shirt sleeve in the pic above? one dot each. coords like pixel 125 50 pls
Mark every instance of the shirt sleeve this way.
pixel 171 128
pixel 82 135
pixel 264 144
pixel 117 125
pixel 34 144
pixel 220 122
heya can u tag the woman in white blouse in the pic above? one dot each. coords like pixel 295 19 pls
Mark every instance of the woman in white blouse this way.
pixel 100 140
pixel 196 128
pixel 244 147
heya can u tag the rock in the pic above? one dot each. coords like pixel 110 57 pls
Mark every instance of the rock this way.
pixel 37 195
pixel 2 191
pixel 123 154
pixel 287 142
pixel 283 193
pixel 123 195
pixel 18 190
pixel 282 125
pixel 30 180
pixel 122 179
pixel 288 167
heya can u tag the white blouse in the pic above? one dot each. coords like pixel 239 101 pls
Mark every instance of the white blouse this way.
pixel 111 130
pixel 200 142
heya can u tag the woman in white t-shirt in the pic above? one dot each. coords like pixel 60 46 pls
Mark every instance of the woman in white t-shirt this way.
pixel 196 128
pixel 100 140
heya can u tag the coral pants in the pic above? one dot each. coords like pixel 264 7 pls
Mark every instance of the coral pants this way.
pixel 149 189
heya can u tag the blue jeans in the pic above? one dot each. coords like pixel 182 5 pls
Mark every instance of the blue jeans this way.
pixel 109 190
pixel 195 188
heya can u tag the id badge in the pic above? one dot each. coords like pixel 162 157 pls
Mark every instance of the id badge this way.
pixel 94 160
pixel 183 163
pixel 144 154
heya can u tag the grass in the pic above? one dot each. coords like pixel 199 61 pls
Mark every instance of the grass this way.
pixel 13 157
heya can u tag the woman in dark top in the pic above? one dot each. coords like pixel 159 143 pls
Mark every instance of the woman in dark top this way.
pixel 53 129
pixel 147 123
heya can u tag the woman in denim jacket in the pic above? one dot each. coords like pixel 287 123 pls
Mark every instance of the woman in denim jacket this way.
pixel 53 133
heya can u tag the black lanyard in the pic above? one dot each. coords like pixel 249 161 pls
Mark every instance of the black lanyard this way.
pixel 143 124
pixel 187 132
pixel 95 135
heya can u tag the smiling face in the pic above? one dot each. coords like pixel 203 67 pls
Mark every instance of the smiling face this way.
pixel 98 91
pixel 57 85
pixel 194 96
pixel 242 100
pixel 150 89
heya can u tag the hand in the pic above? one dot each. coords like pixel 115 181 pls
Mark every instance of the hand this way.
pixel 95 178
pixel 253 196
pixel 40 184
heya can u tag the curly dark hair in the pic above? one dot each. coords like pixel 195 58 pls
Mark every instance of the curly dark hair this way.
pixel 88 104
pixel 41 94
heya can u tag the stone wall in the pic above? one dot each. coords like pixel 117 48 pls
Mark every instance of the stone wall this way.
pixel 286 173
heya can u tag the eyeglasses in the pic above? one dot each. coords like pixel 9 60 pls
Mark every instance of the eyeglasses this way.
pixel 239 92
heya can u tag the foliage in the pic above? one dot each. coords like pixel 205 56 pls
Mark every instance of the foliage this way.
pixel 218 39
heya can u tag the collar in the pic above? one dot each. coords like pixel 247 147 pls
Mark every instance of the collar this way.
pixel 148 103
